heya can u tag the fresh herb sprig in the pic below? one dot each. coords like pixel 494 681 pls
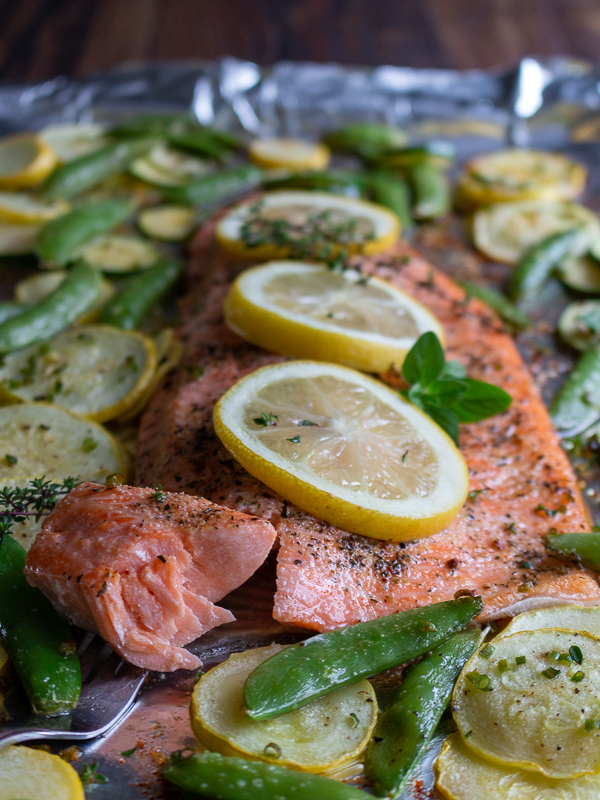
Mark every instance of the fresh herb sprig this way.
pixel 36 500
pixel 442 389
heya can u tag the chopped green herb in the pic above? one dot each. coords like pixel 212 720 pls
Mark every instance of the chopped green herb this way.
pixel 295 439
pixel 578 677
pixel 89 444
pixel 272 750
pixel 354 719
pixel 265 420
pixel 520 660
pixel 592 724
pixel 473 496
pixel 128 753
pixel 481 682
pixel 404 456
pixel 307 423
pixel 576 654
pixel 194 371
pixel 468 734
pixel 503 666
pixel 555 655
pixel 550 673
pixel 36 500
pixel 11 459
pixel 158 495
pixel 89 774
pixel 487 651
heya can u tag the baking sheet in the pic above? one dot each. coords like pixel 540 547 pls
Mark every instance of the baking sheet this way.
pixel 552 103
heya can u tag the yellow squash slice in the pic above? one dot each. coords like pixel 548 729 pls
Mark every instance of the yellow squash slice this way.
pixel 296 154
pixel 327 220
pixel 97 371
pixel 344 447
pixel 572 618
pixel 463 775
pixel 168 354
pixel 17 239
pixel 39 285
pixel 542 714
pixel 45 440
pixel 325 735
pixel 308 311
pixel 29 774
pixel 25 160
pixel 113 252
pixel 505 231
pixel 167 223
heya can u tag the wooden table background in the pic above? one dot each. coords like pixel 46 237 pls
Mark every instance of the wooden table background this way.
pixel 43 38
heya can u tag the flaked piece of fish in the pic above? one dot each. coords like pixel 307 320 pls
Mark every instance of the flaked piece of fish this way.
pixel 144 568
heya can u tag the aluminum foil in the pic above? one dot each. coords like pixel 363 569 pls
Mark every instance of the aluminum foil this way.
pixel 551 103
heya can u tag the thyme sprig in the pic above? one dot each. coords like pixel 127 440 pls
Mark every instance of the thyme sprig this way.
pixel 319 237
pixel 36 500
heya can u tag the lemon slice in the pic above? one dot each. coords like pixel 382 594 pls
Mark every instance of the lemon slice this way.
pixel 308 311
pixel 22 208
pixel 516 173
pixel 540 714
pixel 288 153
pixel 25 160
pixel 167 223
pixel 463 775
pixel 344 447
pixel 71 140
pixel 97 371
pixel 39 285
pixel 16 240
pixel 29 774
pixel 327 734
pixel 505 231
pixel 255 229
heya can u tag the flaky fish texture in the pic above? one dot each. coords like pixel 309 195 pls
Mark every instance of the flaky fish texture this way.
pixel 144 568
pixel 521 481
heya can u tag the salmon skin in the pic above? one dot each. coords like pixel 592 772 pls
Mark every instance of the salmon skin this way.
pixel 144 568
pixel 522 484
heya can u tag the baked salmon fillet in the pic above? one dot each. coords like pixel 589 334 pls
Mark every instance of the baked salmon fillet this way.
pixel 522 484
pixel 144 568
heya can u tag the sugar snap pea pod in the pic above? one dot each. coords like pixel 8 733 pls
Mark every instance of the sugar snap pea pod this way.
pixel 431 191
pixel 199 141
pixel 89 170
pixel 393 192
pixel 577 404
pixel 438 154
pixel 408 722
pixel 38 641
pixel 151 125
pixel 59 239
pixel 325 180
pixel 327 662
pixel 508 311
pixel 217 777
pixel 214 190
pixel 56 311
pixel 539 262
pixel 131 303
pixel 11 309
pixel 583 546
pixel 366 139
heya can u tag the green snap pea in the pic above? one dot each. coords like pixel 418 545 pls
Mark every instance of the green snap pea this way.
pixel 59 239
pixel 508 311
pixel 393 192
pixel 89 170
pixel 577 404
pixel 199 141
pixel 54 313
pixel 539 262
pixel 11 309
pixel 341 181
pixel 214 190
pixel 39 643
pixel 366 139
pixel 439 155
pixel 408 722
pixel 141 292
pixel 585 547
pixel 144 125
pixel 431 191
pixel 327 662
pixel 217 777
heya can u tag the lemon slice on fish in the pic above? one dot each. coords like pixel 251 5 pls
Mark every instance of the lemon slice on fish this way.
pixel 327 734
pixel 303 223
pixel 308 311
pixel 345 448
pixel 463 775
pixel 531 700
pixel 29 773
pixel 291 153
pixel 25 160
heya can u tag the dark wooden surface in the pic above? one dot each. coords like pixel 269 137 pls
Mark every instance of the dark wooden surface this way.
pixel 43 38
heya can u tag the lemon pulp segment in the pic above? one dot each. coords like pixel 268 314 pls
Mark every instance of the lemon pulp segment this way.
pixel 254 229
pixel 308 311
pixel 344 447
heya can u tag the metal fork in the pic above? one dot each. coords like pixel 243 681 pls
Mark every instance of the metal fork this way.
pixel 110 687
